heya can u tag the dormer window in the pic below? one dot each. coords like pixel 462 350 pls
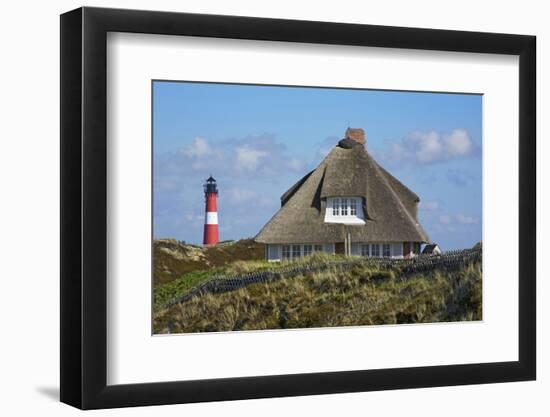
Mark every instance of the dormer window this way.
pixel 346 210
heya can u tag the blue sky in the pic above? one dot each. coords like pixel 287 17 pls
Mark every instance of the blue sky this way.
pixel 258 140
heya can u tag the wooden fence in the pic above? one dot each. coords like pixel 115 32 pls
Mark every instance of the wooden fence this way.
pixel 405 268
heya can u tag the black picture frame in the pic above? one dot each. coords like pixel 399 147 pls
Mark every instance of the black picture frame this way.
pixel 84 207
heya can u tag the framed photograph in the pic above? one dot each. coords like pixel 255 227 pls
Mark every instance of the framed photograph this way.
pixel 257 207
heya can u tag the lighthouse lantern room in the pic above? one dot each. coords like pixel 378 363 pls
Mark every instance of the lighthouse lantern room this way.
pixel 211 234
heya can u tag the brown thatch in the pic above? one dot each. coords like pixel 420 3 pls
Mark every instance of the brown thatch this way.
pixel 390 207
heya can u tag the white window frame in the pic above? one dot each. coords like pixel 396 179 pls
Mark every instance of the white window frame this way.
pixel 375 250
pixel 336 207
pixel 384 247
pixel 299 250
pixel 288 252
pixel 344 208
pixel 365 249
pixel 352 207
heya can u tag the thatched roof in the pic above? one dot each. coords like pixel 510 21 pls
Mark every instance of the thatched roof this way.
pixel 390 207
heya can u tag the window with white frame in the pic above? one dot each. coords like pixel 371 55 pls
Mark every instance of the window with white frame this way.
pixel 352 207
pixel 296 251
pixel 386 251
pixel 286 251
pixel 365 249
pixel 336 207
pixel 375 250
pixel 346 210
pixel 344 207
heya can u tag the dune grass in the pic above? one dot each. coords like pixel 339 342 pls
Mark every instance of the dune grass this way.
pixel 164 292
pixel 360 296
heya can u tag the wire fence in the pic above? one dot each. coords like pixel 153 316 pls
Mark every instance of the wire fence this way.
pixel 405 268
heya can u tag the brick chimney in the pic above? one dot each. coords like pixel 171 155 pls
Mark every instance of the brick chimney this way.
pixel 356 134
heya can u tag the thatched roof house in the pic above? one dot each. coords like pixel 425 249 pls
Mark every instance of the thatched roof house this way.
pixel 348 204
pixel 431 249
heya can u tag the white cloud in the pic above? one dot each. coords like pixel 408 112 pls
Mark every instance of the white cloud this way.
pixel 200 155
pixel 296 164
pixel 430 147
pixel 248 159
pixel 458 143
pixel 425 146
pixel 199 148
pixel 251 172
pixel 258 156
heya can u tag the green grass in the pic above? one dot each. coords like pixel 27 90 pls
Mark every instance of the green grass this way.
pixel 166 292
pixel 360 296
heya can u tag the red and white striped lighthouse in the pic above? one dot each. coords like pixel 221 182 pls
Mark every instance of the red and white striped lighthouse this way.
pixel 211 235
